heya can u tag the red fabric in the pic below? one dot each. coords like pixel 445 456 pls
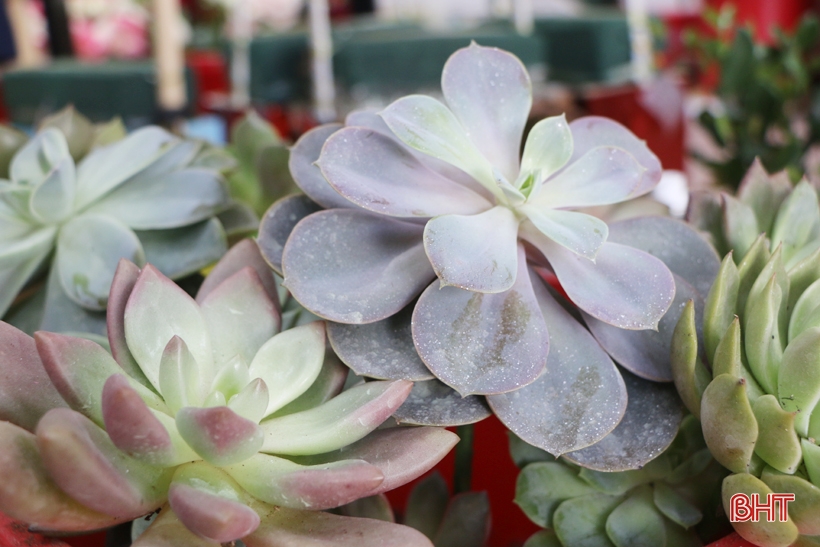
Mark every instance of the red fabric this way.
pixel 14 533
pixel 766 15
pixel 733 540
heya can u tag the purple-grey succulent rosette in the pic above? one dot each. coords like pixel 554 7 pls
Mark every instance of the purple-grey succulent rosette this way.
pixel 422 237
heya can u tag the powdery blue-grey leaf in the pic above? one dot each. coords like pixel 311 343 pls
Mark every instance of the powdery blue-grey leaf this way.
pixel 649 425
pixel 490 93
pixel 548 148
pixel 434 403
pixel 307 175
pixel 482 343
pixel 466 522
pixel 53 199
pixel 278 223
pixel 426 504
pixel 18 261
pixel 62 314
pixel 182 251
pixel 684 251
pixel 378 173
pixel 89 286
pixel 35 160
pixel 474 252
pixel 593 131
pixel 578 400
pixel 624 287
pixel 238 219
pixel 382 350
pixel 647 352
pixel 352 266
pixel 581 233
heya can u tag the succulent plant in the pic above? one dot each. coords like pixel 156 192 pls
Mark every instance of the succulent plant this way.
pixel 204 413
pixel 427 260
pixel 753 377
pixel 79 197
pixel 659 504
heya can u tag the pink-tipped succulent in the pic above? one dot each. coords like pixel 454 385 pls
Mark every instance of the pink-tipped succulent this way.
pixel 426 259
pixel 206 412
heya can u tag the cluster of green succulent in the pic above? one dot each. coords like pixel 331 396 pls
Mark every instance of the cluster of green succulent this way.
pixel 750 369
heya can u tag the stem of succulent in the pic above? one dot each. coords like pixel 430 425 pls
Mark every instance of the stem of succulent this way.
pixel 463 476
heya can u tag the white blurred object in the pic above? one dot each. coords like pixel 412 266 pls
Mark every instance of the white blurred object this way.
pixel 673 191
pixel 637 15
pixel 663 98
pixel 273 14
pixel 671 7
pixel 321 41
pixel 455 13
pixel 523 16
pixel 241 19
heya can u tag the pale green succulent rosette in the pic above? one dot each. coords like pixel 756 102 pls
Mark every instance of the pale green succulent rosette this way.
pixel 753 377
pixel 207 413
pixel 80 197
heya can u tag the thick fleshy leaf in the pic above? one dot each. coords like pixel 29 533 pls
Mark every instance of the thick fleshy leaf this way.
pixel 62 314
pixel 636 522
pixel 582 521
pixel 482 343
pixel 78 130
pixel 166 530
pixel 650 423
pixel 19 261
pixel 774 533
pixel 372 507
pixel 79 368
pixel 282 482
pixel 647 353
pixel 245 253
pixel 426 504
pixel 475 252
pixel 180 379
pixel 739 225
pixel 542 486
pixel 729 425
pixel 580 233
pixel 84 463
pixel 158 310
pixel 804 509
pixel 777 443
pixel 328 384
pixel 278 223
pixel 434 403
pixel 373 171
pixel 211 516
pixel 53 199
pixel 26 391
pixel 798 380
pixel 805 312
pixel 401 453
pixel 383 350
pixel 523 453
pixel 548 148
pixel 35 160
pixel 240 316
pixel 490 93
pixel 290 362
pixel 88 250
pixel 27 492
pixel 252 401
pixel 721 305
pixel 466 522
pixel 427 125
pixel 125 277
pixel 343 420
pixel 729 360
pixel 238 220
pixel 543 538
pixel 763 193
pixel 109 166
pixel 675 507
pixel 352 266
pixel 283 527
pixel 764 348
pixel 624 287
pixel 307 175
pixel 580 397
pixel 593 131
pixel 218 434
pixel 178 252
pixel 797 220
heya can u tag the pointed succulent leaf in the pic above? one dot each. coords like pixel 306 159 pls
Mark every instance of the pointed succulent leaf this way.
pixel 580 233
pixel 636 522
pixel 79 369
pixel 729 360
pixel 811 458
pixel 749 270
pixel 798 381
pixel 372 507
pixel 328 384
pixel 466 522
pixel 523 453
pixel 688 372
pixel 542 486
pixel 11 140
pixel 52 200
pixel 562 410
pixel 306 173
pixel 240 316
pixel 729 425
pixel 238 219
pixel 739 225
pixel 383 350
pixel 377 173
pixel 804 510
pixel 158 310
pixel 125 277
pixel 775 533
pixel 475 252
pixel 179 252
pixel 764 349
pixel 344 419
pixel 721 305
pixel 617 483
pixel 548 148
pixel 802 275
pixel 591 132
pixel 490 93
pixel 282 482
pixel 763 193
pixel 355 267
pixel 108 132
pixel 675 507
pixel 20 261
pixel 277 224
pixel 243 254
pixel 482 343
pixel 218 434
pixel 252 401
pixel 624 287
pixel 34 160
pixel 433 403
pixel 777 443
pixel 28 493
pixel 290 362
pixel 166 530
pixel 582 521
pixel 180 380
pixel 634 442
pixel 89 286
pixel 425 124
pixel 797 220
pixel 426 505
pixel 806 311
pixel 86 465
pixel 59 313
pixel 543 538
pixel 26 391
pixel 77 129
pixel 283 527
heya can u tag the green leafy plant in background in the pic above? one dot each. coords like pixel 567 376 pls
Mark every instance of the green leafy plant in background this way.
pixel 226 426
pixel 750 369
pixel 77 197
pixel 764 90
pixel 663 503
